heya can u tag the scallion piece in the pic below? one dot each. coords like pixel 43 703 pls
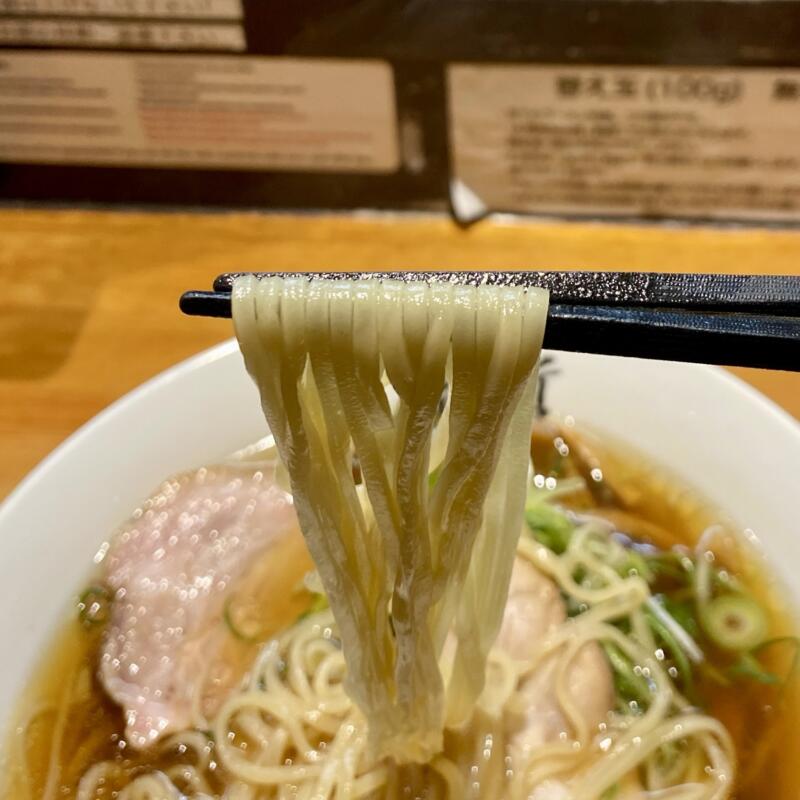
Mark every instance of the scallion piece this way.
pixel 319 603
pixel 236 628
pixel 734 622
pixel 94 606
pixel 748 666
pixel 676 652
pixel 628 684
pixel 549 526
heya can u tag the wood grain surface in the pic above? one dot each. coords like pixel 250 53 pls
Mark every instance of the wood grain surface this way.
pixel 88 308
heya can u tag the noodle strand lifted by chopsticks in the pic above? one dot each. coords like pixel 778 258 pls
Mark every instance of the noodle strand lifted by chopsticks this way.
pixel 418 558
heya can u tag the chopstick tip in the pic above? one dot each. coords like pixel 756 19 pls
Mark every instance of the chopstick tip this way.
pixel 205 304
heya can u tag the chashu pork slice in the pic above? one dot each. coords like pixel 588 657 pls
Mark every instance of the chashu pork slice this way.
pixel 534 610
pixel 205 540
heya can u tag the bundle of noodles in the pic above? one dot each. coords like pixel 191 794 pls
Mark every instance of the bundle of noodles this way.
pixel 413 550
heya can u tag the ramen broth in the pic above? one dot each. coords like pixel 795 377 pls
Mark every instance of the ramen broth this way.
pixel 66 718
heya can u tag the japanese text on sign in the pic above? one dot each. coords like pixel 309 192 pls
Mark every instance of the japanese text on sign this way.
pixel 634 141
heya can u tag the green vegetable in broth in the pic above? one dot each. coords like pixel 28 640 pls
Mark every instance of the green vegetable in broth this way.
pixel 94 605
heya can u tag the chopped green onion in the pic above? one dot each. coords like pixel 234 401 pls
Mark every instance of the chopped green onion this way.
pixel 319 603
pixel 94 606
pixel 671 564
pixel 792 641
pixel 234 627
pixel 679 634
pixel 682 611
pixel 549 526
pixel 748 667
pixel 627 683
pixel 635 564
pixel 676 652
pixel 734 622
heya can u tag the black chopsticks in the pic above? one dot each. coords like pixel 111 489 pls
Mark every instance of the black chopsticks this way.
pixel 736 320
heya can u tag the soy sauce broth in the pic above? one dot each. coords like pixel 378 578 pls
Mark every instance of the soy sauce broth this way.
pixel 640 497
pixel 651 505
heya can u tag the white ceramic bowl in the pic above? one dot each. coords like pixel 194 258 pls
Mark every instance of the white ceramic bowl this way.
pixel 731 443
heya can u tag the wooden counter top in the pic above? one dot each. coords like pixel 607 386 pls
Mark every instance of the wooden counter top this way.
pixel 89 299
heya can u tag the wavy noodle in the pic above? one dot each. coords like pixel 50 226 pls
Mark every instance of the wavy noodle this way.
pixel 94 778
pixel 304 737
pixel 629 741
pixel 303 704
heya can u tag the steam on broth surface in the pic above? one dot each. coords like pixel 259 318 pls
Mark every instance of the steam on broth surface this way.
pixel 639 648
